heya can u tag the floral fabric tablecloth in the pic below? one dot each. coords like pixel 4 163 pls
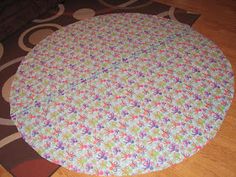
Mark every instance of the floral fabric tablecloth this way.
pixel 121 94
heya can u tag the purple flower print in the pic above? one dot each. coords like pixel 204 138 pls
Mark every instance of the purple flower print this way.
pixel 119 86
pixel 166 120
pixel 196 131
pixel 82 80
pixel 173 148
pixel 177 80
pixel 197 97
pixel 61 92
pixel 116 150
pixel 186 143
pixel 124 113
pixel 142 134
pixel 112 117
pixel 74 140
pixel 104 70
pixel 47 123
pixel 46 156
pixel 188 106
pixel 102 155
pixel 89 166
pixel 72 109
pixel 100 126
pixel 125 60
pixel 86 130
pixel 147 164
pixel 131 82
pixel 140 74
pixel 161 160
pixel 209 127
pixel 34 133
pixel 109 93
pixel 129 139
pixel 215 85
pixel 37 104
pixel 60 146
pixel 157 92
pixel 188 77
pixel 218 117
pixel 176 110
pixel 195 70
pixel 136 104
pixel 147 100
pixel 153 124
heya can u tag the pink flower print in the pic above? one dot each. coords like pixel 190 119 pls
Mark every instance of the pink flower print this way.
pixel 152 139
pixel 32 116
pixel 122 125
pixel 113 166
pixel 70 155
pixel 126 156
pixel 140 123
pixel 140 149
pixel 81 118
pixel 97 141
pixel 165 134
pixel 133 164
pixel 197 148
pixel 97 97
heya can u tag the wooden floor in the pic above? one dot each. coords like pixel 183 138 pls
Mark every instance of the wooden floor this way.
pixel 217 158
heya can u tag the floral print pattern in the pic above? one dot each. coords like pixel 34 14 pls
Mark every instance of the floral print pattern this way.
pixel 121 94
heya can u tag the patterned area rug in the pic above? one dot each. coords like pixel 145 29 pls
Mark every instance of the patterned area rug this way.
pixel 16 156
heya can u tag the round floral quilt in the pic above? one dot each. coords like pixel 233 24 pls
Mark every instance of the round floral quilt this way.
pixel 121 94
